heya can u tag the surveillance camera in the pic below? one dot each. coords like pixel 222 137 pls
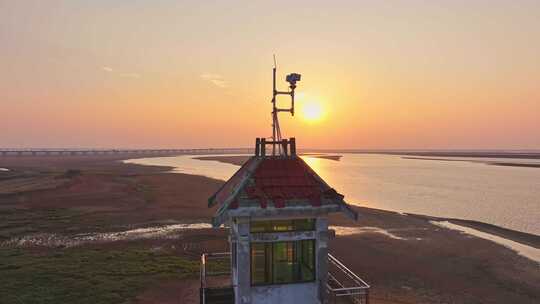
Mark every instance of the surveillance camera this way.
pixel 293 78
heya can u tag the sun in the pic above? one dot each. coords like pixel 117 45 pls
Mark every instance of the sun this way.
pixel 312 111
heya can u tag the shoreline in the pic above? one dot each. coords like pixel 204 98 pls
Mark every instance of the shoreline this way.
pixel 533 154
pixel 491 163
pixel 527 251
pixel 525 238
pixel 521 237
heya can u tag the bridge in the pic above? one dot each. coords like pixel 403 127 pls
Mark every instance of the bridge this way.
pixel 74 152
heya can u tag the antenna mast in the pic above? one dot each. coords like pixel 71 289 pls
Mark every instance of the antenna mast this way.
pixel 276 131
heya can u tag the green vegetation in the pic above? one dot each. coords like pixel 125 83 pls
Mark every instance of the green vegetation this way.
pixel 16 222
pixel 79 275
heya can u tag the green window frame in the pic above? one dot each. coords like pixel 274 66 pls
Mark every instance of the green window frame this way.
pixel 282 225
pixel 283 262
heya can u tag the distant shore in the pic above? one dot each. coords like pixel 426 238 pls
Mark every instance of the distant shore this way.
pixel 527 154
pixel 492 163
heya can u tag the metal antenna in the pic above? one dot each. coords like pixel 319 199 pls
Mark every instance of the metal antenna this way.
pixel 276 131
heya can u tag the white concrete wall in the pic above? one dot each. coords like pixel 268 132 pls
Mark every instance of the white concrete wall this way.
pixel 296 293
pixel 299 293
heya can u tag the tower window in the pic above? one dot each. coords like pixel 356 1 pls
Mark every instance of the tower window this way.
pixel 282 262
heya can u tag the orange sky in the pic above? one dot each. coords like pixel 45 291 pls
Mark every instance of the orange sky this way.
pixel 386 74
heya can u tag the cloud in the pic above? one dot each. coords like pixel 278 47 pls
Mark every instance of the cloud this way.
pixel 216 80
pixel 219 82
pixel 125 75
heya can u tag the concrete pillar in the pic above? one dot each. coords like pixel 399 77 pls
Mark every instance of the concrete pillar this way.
pixel 242 279
pixel 285 145
pixel 322 256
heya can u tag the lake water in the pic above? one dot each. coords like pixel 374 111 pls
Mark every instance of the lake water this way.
pixel 500 195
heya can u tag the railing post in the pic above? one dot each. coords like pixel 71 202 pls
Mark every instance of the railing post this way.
pixel 284 144
pixel 257 146
pixel 263 147
pixel 203 279
pixel 292 141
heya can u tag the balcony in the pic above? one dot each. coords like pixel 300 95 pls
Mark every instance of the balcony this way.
pixel 343 285
pixel 216 285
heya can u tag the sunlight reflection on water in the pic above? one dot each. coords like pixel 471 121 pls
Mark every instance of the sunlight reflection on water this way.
pixel 500 195
pixel 344 230
pixel 503 196
pixel 188 165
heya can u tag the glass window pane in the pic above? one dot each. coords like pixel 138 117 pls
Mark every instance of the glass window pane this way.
pixel 283 262
pixel 269 270
pixel 304 224
pixel 307 260
pixel 258 263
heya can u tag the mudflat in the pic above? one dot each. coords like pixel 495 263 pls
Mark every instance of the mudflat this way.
pixel 91 229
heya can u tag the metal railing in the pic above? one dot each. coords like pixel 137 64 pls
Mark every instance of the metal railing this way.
pixel 343 285
pixel 205 272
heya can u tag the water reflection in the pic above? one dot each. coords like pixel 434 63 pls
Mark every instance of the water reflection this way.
pixel 188 165
pixel 503 196
pixel 345 230
pixel 315 163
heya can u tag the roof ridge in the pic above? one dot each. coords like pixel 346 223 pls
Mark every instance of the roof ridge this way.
pixel 282 181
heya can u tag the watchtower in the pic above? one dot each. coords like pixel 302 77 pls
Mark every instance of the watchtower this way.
pixel 277 208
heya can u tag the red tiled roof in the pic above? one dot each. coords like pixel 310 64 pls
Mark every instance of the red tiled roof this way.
pixel 275 180
pixel 279 179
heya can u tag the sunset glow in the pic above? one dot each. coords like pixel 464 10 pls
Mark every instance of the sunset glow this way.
pixel 410 75
pixel 312 111
pixel 269 152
